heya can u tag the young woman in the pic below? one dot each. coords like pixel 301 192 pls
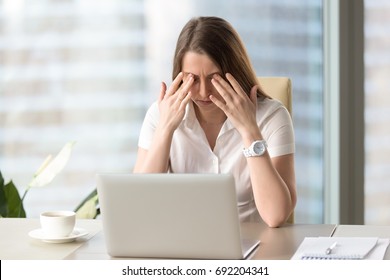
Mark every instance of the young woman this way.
pixel 215 118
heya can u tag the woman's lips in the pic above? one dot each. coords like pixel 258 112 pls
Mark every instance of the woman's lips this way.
pixel 204 102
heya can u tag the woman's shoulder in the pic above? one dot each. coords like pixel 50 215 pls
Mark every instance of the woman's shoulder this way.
pixel 152 114
pixel 153 106
pixel 153 109
pixel 268 106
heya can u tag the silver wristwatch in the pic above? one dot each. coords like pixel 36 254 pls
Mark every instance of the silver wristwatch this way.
pixel 256 149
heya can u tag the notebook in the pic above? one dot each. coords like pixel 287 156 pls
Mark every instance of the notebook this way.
pixel 192 216
pixel 341 248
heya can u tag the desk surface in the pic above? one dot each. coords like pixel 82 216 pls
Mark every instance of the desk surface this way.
pixel 16 244
pixel 276 243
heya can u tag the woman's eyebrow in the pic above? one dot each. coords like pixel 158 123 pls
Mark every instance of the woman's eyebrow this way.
pixel 208 76
pixel 212 74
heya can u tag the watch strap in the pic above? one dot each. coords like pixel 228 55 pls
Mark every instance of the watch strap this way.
pixel 249 152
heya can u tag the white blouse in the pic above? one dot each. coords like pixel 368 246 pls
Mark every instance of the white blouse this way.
pixel 191 152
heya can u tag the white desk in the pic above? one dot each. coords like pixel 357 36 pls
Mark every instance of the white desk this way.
pixel 276 243
pixel 16 244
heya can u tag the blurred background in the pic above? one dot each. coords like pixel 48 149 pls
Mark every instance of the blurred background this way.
pixel 87 70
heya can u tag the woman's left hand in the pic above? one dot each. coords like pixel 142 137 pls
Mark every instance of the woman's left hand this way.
pixel 237 105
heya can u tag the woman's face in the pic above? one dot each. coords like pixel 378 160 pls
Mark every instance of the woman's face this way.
pixel 202 68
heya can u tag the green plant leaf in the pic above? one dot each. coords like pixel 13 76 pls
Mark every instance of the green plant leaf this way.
pixel 14 203
pixel 11 205
pixel 10 202
pixel 3 198
pixel 87 209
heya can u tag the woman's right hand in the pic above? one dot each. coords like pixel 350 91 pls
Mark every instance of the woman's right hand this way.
pixel 173 101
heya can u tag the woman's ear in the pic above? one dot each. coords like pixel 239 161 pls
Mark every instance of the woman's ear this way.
pixel 253 94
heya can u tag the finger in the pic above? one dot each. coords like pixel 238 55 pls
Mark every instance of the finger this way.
pixel 185 101
pixel 175 84
pixel 223 88
pixel 184 88
pixel 163 89
pixel 218 102
pixel 236 86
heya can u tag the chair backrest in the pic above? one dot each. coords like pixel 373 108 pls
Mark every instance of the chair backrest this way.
pixel 279 88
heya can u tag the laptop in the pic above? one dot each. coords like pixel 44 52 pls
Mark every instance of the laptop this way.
pixel 180 216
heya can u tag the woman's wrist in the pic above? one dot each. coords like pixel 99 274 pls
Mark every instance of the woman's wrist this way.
pixel 164 131
pixel 249 136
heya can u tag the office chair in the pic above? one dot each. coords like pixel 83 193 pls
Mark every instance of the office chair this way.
pixel 279 88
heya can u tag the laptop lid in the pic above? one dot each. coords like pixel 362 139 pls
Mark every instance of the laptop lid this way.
pixel 170 216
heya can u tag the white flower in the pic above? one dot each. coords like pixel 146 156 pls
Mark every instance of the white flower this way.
pixel 50 168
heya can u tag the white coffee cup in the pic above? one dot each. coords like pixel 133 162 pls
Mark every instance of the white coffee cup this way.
pixel 57 224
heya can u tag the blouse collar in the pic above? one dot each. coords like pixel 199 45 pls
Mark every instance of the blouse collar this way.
pixel 189 119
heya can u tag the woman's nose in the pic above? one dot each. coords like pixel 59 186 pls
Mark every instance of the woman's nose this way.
pixel 205 88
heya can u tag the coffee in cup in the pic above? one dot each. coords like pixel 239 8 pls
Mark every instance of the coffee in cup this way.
pixel 57 224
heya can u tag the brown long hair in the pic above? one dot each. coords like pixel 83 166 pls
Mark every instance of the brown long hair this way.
pixel 216 38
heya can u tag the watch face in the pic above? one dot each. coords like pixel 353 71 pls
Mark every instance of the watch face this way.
pixel 258 148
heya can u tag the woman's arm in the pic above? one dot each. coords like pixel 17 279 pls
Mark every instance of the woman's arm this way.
pixel 273 180
pixel 171 104
pixel 156 159
pixel 274 190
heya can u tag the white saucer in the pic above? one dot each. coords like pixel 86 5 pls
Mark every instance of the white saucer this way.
pixel 38 234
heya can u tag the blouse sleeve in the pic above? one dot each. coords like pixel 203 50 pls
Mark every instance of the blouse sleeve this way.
pixel 148 127
pixel 277 129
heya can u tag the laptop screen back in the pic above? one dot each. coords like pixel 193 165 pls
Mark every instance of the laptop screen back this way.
pixel 170 215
